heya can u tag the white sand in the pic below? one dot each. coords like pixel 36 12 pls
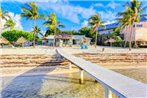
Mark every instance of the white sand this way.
pixel 51 51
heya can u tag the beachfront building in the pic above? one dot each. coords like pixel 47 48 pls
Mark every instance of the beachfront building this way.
pixel 77 39
pixel 65 40
pixel 109 28
pixel 49 40
pixel 139 31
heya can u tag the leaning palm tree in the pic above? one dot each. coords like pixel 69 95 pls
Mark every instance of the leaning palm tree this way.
pixel 125 22
pixel 3 15
pixel 134 10
pixel 10 24
pixel 31 13
pixel 52 23
pixel 96 22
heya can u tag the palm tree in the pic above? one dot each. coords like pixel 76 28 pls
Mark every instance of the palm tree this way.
pixel 31 13
pixel 125 22
pixel 37 30
pixel 134 11
pixel 9 24
pixel 96 22
pixel 3 15
pixel 52 23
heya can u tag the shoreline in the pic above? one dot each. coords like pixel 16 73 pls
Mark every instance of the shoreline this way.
pixel 137 68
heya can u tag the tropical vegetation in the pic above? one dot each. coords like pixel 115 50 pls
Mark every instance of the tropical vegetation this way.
pixel 96 22
pixel 30 11
pixel 52 23
pixel 10 24
pixel 13 35
pixel 3 15
pixel 132 14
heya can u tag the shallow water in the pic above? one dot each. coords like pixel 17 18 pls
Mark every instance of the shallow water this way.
pixel 55 86
pixel 60 86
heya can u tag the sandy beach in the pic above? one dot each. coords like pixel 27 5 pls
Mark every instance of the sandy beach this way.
pixel 16 72
pixel 49 51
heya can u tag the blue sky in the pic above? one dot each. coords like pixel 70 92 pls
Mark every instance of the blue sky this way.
pixel 72 13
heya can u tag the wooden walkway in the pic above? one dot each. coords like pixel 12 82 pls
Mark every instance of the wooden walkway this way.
pixel 122 86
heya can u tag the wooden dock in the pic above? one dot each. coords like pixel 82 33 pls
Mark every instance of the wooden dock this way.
pixel 120 85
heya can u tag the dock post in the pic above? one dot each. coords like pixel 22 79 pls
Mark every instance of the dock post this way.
pixel 81 81
pixel 107 93
pixel 70 65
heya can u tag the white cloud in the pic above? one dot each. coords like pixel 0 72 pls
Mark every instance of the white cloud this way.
pixel 24 1
pixel 113 5
pixel 17 19
pixel 98 5
pixel 107 15
pixel 85 23
pixel 68 11
pixel 110 22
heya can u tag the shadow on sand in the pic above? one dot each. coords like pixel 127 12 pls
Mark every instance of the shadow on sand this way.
pixel 42 85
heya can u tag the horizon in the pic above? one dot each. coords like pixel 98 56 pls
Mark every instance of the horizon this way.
pixel 74 14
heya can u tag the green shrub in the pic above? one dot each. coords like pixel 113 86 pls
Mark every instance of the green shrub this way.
pixel 13 35
pixel 121 43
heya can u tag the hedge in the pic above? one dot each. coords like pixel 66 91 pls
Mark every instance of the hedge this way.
pixel 13 35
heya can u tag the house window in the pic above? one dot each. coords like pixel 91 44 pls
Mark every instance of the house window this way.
pixel 134 25
pixel 139 25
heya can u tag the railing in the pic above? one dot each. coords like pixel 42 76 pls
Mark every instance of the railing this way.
pixel 120 85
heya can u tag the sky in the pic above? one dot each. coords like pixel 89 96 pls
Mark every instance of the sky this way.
pixel 74 14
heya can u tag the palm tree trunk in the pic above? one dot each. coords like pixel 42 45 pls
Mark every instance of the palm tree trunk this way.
pixel 125 38
pixel 130 43
pixel 34 33
pixel 135 39
pixel 54 38
pixel 96 39
pixel 0 25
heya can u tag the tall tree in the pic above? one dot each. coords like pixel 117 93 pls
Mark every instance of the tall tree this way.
pixel 10 24
pixel 30 11
pixel 86 31
pixel 52 23
pixel 125 23
pixel 3 15
pixel 96 22
pixel 134 11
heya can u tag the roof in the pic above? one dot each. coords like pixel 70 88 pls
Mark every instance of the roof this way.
pixel 110 40
pixel 3 40
pixel 77 36
pixel 143 19
pixel 115 25
pixel 21 40
pixel 110 26
pixel 63 36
